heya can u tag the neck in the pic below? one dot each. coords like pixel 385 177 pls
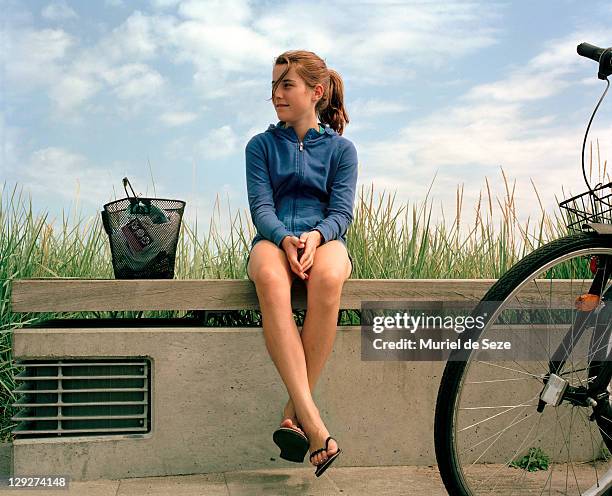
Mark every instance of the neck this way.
pixel 302 127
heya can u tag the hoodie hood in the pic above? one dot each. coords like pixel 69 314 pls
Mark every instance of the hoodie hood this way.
pixel 289 132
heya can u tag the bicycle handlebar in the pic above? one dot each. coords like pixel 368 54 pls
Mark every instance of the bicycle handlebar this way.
pixel 601 55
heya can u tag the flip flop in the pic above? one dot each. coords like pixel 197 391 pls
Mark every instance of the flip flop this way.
pixel 293 445
pixel 325 465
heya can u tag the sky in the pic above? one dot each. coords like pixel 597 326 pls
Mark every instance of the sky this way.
pixel 440 95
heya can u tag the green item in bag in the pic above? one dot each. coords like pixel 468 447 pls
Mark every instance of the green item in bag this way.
pixel 156 214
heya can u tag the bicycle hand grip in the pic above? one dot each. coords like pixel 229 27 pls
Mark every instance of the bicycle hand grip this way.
pixel 590 51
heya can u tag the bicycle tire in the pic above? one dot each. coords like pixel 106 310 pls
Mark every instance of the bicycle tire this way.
pixel 455 371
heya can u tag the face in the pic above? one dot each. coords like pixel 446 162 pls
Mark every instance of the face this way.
pixel 293 100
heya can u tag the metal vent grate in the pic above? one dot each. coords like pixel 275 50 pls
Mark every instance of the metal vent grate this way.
pixel 82 397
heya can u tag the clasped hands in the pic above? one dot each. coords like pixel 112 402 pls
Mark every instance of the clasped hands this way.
pixel 300 251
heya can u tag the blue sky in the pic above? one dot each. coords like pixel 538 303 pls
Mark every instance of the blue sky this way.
pixel 95 91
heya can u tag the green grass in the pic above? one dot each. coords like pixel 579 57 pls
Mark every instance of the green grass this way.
pixel 534 460
pixel 385 241
pixel 604 453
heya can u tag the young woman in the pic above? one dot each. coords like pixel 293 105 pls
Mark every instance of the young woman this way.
pixel 301 178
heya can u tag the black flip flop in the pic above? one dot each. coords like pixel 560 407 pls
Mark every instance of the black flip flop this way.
pixel 325 465
pixel 293 445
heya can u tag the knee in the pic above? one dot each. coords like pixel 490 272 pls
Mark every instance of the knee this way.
pixel 330 279
pixel 271 278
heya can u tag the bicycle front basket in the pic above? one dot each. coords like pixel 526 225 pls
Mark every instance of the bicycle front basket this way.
pixel 592 206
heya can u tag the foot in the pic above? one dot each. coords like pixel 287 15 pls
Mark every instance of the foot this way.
pixel 317 434
pixel 290 419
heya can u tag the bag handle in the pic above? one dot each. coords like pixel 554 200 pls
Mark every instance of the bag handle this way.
pixel 126 182
pixel 137 205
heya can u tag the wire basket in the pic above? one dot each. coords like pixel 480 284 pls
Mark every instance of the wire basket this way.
pixel 592 206
pixel 143 234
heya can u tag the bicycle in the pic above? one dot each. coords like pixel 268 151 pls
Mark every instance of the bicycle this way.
pixel 540 426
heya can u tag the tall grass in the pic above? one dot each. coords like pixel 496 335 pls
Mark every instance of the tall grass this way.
pixel 385 242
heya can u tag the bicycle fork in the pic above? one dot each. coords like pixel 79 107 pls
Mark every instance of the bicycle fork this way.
pixel 591 306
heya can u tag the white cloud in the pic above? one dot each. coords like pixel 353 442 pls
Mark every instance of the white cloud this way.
pixel 221 142
pixel 10 148
pixel 133 81
pixel 58 170
pixel 164 4
pixel 59 173
pixel 367 108
pixel 58 11
pixel 71 90
pixel 74 74
pixel 217 12
pixel 32 58
pixel 136 39
pixel 178 118
pixel 520 87
pixel 178 149
pixel 541 77
pixel 211 89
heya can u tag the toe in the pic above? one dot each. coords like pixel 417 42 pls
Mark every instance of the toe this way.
pixel 286 423
pixel 295 425
pixel 332 447
pixel 292 424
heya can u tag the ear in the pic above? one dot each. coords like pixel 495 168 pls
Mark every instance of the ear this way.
pixel 318 92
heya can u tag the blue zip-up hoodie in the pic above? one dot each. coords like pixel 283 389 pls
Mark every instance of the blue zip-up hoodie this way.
pixel 295 187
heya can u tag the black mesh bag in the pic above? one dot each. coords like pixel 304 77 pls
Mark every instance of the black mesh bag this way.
pixel 143 234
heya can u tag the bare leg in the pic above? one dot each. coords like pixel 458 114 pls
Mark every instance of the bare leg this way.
pixel 330 269
pixel 319 329
pixel 269 269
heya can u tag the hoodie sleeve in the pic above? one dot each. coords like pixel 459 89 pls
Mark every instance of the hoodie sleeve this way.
pixel 342 198
pixel 261 200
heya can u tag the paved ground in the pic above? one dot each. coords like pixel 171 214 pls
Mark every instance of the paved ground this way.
pixel 353 481
pixel 346 481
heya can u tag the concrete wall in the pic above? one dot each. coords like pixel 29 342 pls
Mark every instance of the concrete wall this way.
pixel 6 459
pixel 217 397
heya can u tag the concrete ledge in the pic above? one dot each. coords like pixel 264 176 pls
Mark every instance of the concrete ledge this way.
pixel 217 397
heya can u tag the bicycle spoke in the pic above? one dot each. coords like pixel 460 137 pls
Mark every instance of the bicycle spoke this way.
pixel 538 377
pixel 494 416
pixel 499 380
pixel 509 407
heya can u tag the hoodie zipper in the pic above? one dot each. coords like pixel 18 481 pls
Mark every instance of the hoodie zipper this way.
pixel 301 147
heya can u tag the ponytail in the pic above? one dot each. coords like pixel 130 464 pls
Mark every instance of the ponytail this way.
pixel 331 106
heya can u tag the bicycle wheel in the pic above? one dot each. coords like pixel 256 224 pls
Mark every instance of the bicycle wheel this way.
pixel 489 437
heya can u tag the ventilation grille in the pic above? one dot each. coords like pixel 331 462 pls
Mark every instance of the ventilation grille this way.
pixel 82 397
